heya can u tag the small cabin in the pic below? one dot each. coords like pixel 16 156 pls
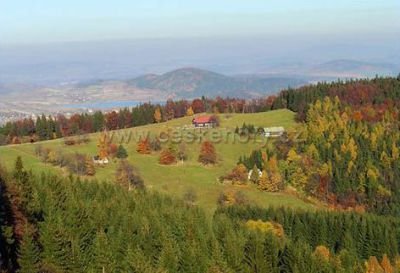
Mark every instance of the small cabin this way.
pixel 274 131
pixel 99 161
pixel 205 122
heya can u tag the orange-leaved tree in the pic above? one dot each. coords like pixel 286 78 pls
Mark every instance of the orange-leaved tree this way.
pixel 167 157
pixel 104 145
pixel 143 146
pixel 207 153
pixel 238 174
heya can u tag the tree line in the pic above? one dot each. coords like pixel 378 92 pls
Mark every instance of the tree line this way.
pixel 377 93
pixel 50 127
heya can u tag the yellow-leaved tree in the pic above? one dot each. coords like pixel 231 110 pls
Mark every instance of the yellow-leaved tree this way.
pixel 262 226
pixel 275 178
pixel 322 252
pixel 189 112
pixel 263 181
pixel 157 115
pixel 373 266
pixel 386 265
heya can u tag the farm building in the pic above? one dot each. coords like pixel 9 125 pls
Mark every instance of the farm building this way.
pixel 274 131
pixel 99 161
pixel 205 122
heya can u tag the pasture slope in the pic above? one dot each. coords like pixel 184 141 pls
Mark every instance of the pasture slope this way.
pixel 177 179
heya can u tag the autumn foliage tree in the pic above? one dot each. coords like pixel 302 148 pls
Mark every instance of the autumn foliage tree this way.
pixel 271 179
pixel 157 115
pixel 189 112
pixel 103 145
pixel 238 174
pixel 113 149
pixel 167 157
pixel 208 155
pixel 143 146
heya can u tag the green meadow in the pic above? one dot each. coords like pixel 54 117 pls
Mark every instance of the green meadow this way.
pixel 177 179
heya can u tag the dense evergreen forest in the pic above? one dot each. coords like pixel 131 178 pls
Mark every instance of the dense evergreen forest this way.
pixel 52 224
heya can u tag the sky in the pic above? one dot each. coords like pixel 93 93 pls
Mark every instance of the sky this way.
pixel 25 22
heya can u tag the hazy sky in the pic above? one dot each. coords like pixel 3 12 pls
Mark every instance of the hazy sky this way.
pixel 42 21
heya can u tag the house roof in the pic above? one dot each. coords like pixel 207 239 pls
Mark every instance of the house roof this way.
pixel 203 119
pixel 274 129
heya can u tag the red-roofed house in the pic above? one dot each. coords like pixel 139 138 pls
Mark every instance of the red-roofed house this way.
pixel 204 121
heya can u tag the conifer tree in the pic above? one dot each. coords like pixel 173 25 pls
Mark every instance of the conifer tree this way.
pixel 121 152
pixel 255 176
pixel 28 254
pixel 19 168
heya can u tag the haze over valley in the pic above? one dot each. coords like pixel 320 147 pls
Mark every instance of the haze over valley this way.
pixel 80 76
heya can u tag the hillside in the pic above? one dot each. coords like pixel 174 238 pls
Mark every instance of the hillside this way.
pixel 193 82
pixel 176 180
pixel 325 201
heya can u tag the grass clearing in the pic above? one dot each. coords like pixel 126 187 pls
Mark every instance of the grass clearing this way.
pixel 176 180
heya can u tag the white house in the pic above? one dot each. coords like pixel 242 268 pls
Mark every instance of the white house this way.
pixel 274 131
pixel 97 160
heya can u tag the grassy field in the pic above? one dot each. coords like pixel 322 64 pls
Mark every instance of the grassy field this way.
pixel 176 180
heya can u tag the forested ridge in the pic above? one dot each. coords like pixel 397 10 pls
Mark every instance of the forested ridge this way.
pixel 68 225
pixel 378 93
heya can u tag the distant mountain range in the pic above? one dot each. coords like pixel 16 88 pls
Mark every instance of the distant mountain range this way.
pixel 193 82
pixel 354 69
